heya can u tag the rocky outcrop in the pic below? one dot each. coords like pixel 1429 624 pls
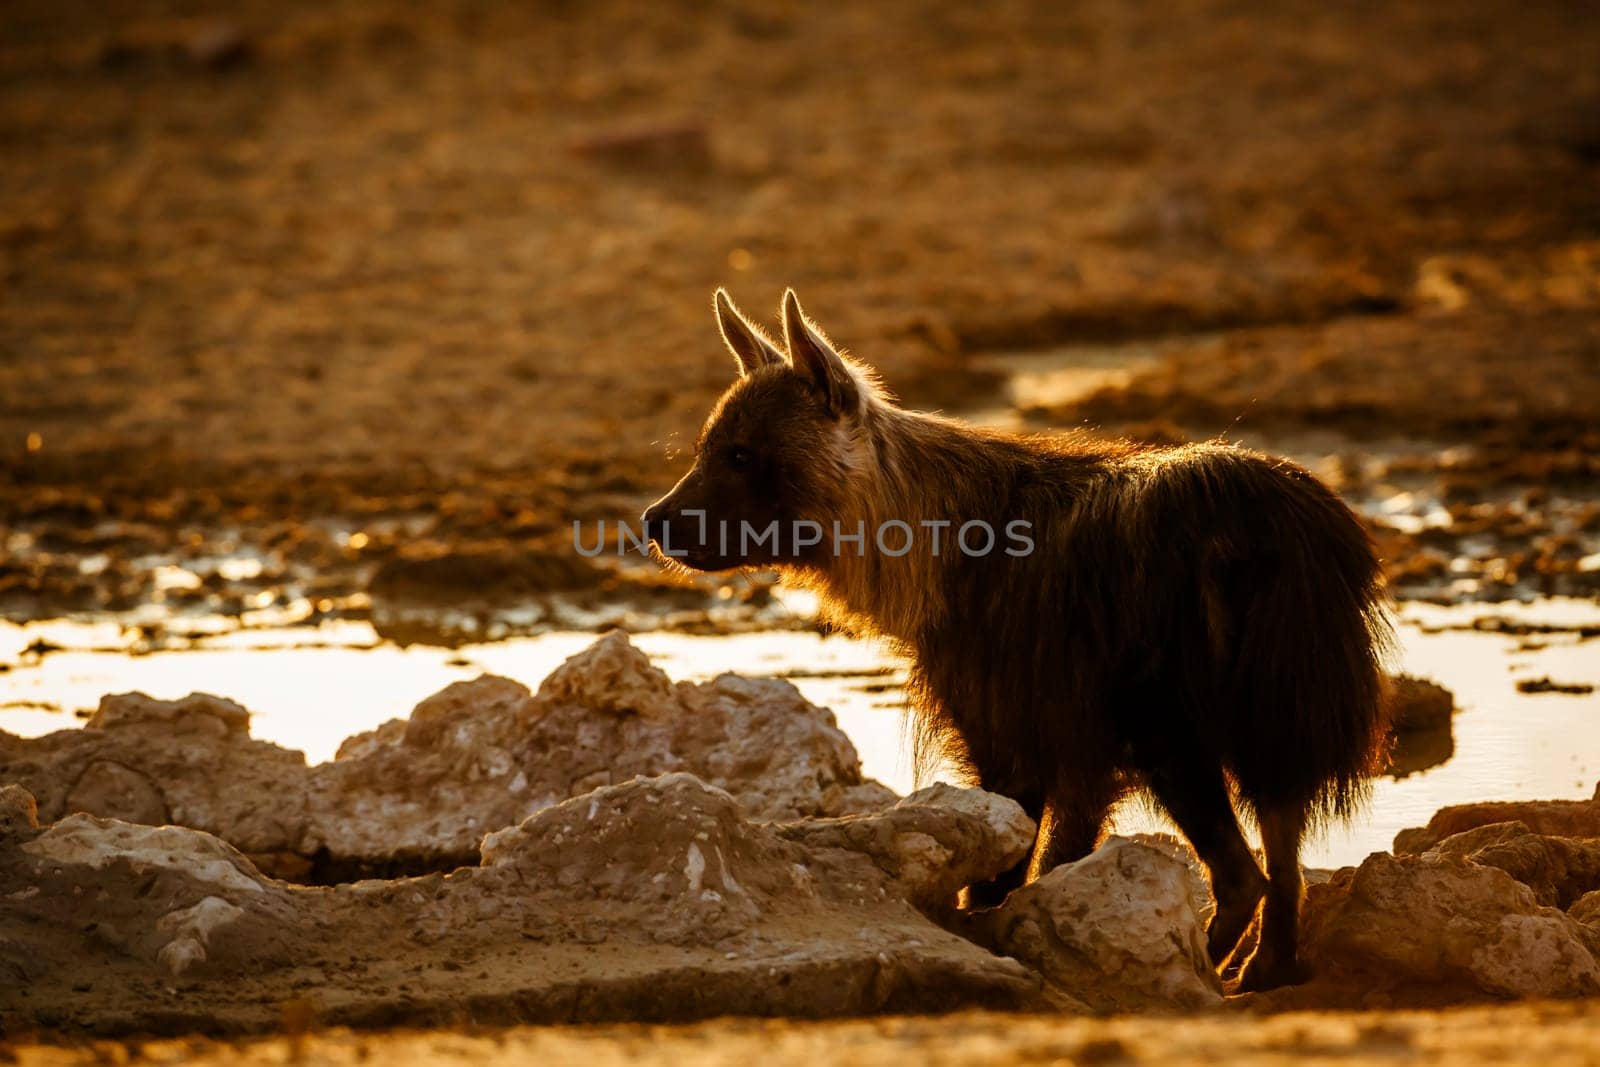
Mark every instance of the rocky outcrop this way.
pixel 1416 704
pixel 1420 714
pixel 931 842
pixel 19 812
pixel 1586 910
pixel 190 762
pixel 420 793
pixel 1557 818
pixel 1440 928
pixel 622 846
pixel 1117 930
pixel 655 899
pixel 1559 870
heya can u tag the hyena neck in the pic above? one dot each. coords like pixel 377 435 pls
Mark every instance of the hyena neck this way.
pixel 921 472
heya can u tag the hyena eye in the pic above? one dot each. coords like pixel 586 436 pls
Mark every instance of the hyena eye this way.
pixel 738 458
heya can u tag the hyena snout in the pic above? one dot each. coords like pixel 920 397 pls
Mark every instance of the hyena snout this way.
pixel 702 525
pixel 683 530
pixel 653 522
pixel 664 524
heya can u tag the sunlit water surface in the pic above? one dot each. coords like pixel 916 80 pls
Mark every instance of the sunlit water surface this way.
pixel 309 688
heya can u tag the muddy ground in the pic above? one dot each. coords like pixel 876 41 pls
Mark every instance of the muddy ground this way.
pixel 1548 1033
pixel 336 287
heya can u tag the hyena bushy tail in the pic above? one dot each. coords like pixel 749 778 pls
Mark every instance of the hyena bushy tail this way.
pixel 1305 686
pixel 1304 693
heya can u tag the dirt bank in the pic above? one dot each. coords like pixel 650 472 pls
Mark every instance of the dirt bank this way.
pixel 1555 1034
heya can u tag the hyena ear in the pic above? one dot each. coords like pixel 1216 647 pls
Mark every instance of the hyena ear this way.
pixel 748 344
pixel 815 359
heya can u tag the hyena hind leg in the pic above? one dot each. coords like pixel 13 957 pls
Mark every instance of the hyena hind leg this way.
pixel 1196 796
pixel 1276 961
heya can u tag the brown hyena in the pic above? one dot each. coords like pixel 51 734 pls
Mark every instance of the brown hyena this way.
pixel 1201 622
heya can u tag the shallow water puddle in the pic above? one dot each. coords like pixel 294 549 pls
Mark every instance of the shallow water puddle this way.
pixel 312 687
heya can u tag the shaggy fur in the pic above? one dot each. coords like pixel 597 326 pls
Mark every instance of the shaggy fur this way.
pixel 1204 623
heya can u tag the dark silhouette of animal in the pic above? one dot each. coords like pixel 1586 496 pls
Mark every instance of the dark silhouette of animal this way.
pixel 1204 622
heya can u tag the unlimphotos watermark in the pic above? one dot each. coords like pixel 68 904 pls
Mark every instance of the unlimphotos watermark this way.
pixel 892 537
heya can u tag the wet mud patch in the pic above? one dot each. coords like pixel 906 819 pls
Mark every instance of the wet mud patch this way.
pixel 1546 685
pixel 402 575
pixel 1421 714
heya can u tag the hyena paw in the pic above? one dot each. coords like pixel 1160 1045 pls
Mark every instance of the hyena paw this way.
pixel 1270 970
pixel 1236 909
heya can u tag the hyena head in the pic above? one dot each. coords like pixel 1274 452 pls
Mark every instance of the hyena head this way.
pixel 778 460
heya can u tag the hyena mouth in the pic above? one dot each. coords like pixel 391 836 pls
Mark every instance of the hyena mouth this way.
pixel 677 539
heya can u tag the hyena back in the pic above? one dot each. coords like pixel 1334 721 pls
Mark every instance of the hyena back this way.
pixel 1204 623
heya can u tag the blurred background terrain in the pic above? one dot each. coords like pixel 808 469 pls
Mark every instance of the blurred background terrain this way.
pixel 387 295
pixel 322 323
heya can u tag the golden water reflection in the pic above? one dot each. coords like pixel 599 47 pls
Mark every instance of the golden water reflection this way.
pixel 311 687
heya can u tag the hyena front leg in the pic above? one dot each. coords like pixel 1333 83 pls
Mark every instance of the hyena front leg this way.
pixel 1070 824
pixel 993 893
pixel 1071 827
